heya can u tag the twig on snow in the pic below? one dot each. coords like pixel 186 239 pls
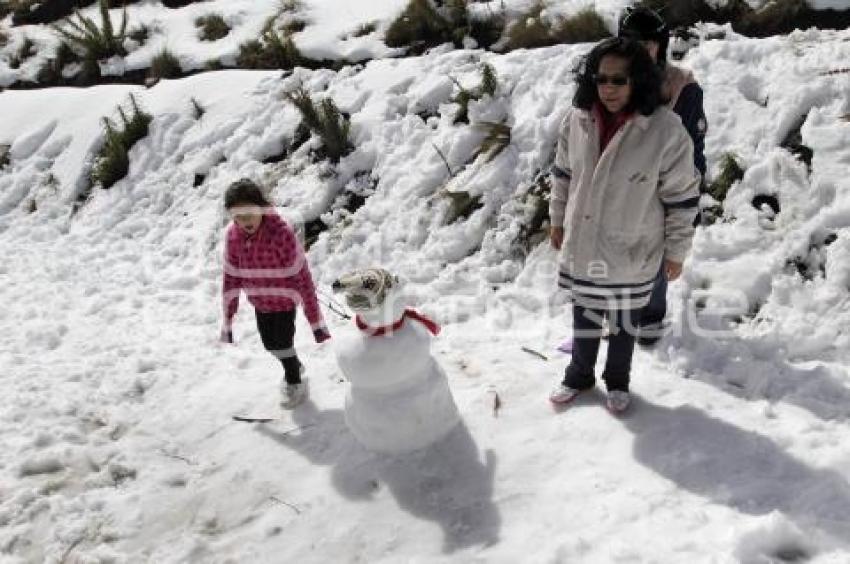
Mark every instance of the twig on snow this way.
pixel 445 161
pixel 286 503
pixel 71 548
pixel 497 403
pixel 333 305
pixel 177 457
pixel 533 352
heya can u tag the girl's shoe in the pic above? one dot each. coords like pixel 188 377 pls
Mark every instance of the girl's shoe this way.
pixel 563 394
pixel 291 395
pixel 618 401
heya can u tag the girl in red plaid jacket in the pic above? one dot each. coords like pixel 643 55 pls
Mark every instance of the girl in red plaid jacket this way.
pixel 264 259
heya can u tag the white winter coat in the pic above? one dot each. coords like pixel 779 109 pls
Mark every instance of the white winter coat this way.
pixel 622 211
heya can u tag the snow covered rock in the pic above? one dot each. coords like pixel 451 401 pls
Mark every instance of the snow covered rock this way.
pixel 399 399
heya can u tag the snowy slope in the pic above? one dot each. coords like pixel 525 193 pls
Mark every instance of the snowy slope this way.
pixel 332 29
pixel 116 442
pixel 329 30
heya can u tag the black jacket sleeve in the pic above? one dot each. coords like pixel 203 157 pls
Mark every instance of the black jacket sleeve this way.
pixel 689 107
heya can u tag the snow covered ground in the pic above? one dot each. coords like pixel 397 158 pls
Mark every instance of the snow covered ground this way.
pixel 116 438
pixel 332 29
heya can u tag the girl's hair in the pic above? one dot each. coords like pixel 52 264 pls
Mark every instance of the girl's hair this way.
pixel 244 192
pixel 644 75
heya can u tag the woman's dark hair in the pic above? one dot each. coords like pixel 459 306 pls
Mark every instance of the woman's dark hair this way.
pixel 644 75
pixel 244 192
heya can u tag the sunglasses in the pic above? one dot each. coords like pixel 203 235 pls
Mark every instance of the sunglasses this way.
pixel 615 80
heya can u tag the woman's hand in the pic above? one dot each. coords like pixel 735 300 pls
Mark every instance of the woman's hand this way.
pixel 321 335
pixel 672 269
pixel 556 237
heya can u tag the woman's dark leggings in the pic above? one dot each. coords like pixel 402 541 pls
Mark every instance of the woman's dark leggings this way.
pixel 587 331
pixel 277 329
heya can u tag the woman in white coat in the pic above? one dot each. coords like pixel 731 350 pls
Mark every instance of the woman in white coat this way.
pixel 624 197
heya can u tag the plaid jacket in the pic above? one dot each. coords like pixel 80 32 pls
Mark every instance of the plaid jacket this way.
pixel 271 268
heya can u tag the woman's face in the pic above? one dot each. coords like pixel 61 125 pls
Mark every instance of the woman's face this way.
pixel 613 83
pixel 247 217
pixel 651 47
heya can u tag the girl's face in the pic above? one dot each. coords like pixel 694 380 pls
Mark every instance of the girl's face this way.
pixel 247 216
pixel 613 83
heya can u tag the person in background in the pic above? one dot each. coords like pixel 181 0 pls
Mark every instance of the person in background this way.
pixel 624 194
pixel 681 93
pixel 264 259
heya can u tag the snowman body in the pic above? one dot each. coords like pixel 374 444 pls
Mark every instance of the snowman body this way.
pixel 399 398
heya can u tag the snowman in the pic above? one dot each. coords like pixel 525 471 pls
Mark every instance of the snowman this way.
pixel 399 399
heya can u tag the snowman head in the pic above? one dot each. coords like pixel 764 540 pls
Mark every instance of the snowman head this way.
pixel 369 290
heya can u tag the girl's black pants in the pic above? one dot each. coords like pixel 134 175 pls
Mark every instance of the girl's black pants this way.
pixel 277 330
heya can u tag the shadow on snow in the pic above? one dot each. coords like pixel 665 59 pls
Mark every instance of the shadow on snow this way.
pixel 738 468
pixel 446 483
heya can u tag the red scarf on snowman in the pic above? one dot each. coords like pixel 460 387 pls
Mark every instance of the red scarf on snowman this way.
pixel 389 329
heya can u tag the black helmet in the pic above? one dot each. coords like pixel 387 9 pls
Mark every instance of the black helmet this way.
pixel 644 24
